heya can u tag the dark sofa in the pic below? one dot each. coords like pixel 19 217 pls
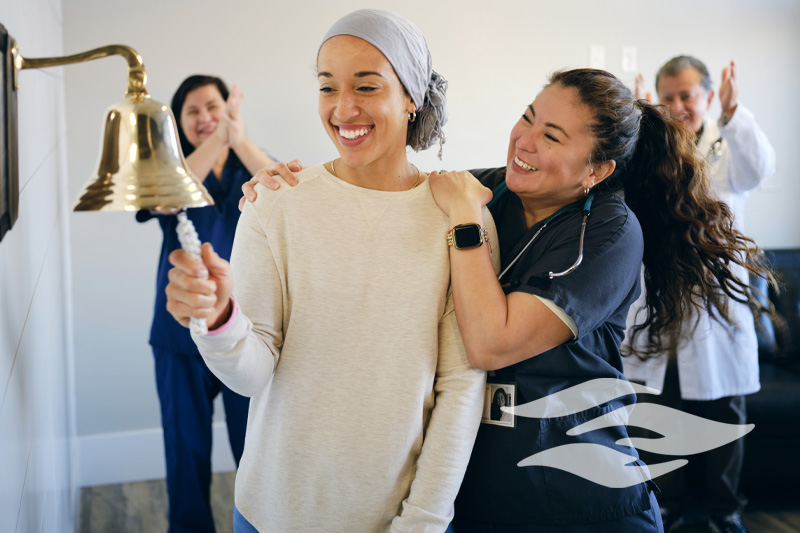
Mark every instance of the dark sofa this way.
pixel 772 450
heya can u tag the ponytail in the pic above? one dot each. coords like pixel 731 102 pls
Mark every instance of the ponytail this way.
pixel 690 241
pixel 694 257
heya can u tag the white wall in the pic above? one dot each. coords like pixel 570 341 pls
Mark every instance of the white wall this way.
pixel 38 475
pixel 496 56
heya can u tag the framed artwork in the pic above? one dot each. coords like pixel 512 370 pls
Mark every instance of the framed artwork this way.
pixel 9 162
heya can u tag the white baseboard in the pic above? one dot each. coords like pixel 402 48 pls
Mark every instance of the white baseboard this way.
pixel 127 456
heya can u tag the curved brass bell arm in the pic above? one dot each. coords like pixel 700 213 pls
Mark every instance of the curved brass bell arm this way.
pixel 137 77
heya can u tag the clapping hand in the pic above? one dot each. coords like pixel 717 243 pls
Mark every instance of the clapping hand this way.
pixel 639 92
pixel 233 118
pixel 729 91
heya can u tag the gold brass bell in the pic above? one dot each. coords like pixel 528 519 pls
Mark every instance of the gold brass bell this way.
pixel 141 165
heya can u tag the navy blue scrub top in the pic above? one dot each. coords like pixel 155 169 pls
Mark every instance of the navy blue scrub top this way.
pixel 215 224
pixel 596 296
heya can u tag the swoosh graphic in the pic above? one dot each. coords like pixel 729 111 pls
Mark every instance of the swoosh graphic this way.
pixel 600 464
pixel 684 434
pixel 579 398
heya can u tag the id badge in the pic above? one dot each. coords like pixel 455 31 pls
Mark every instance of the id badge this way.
pixel 499 400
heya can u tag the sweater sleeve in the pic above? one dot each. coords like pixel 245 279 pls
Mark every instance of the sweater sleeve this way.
pixel 449 436
pixel 246 354
pixel 453 425
pixel 752 155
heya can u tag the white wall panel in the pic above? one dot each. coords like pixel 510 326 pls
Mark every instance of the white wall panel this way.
pixel 496 56
pixel 38 490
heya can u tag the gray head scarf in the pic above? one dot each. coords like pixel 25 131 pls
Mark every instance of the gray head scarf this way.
pixel 401 42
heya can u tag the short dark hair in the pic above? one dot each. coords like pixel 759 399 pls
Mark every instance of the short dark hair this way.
pixel 188 85
pixel 678 64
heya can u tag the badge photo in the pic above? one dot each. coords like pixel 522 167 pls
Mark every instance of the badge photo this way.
pixel 497 396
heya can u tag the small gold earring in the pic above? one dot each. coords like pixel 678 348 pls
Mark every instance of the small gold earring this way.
pixel 412 116
pixel 586 191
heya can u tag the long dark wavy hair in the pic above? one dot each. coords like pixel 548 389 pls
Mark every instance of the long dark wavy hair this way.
pixel 690 241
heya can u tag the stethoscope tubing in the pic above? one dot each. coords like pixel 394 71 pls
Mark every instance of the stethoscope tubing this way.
pixel 586 210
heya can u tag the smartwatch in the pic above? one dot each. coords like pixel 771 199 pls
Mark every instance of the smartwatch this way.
pixel 467 236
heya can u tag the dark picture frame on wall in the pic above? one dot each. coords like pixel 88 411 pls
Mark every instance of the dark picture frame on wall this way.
pixel 9 162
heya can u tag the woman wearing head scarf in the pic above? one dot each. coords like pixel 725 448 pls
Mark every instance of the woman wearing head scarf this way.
pixel 596 185
pixel 341 298
pixel 216 146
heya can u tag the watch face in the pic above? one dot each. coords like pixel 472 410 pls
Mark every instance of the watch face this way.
pixel 467 236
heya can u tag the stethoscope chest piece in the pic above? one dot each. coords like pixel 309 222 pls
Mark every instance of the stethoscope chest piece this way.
pixel 715 152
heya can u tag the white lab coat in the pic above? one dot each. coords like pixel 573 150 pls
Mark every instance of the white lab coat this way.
pixel 718 359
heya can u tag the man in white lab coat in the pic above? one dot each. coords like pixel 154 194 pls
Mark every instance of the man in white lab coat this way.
pixel 716 363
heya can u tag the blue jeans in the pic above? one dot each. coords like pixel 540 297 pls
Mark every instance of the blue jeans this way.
pixel 240 523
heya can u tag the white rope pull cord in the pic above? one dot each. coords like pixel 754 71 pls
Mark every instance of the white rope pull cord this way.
pixel 190 242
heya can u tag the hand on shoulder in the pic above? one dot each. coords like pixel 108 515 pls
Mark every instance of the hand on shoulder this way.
pixel 271 176
pixel 459 194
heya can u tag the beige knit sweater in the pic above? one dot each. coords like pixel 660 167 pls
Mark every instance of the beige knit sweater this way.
pixel 364 408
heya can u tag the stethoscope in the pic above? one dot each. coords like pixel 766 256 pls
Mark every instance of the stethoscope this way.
pixel 502 189
pixel 715 152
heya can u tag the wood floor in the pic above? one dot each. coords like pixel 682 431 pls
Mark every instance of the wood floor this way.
pixel 142 508
pixel 755 519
